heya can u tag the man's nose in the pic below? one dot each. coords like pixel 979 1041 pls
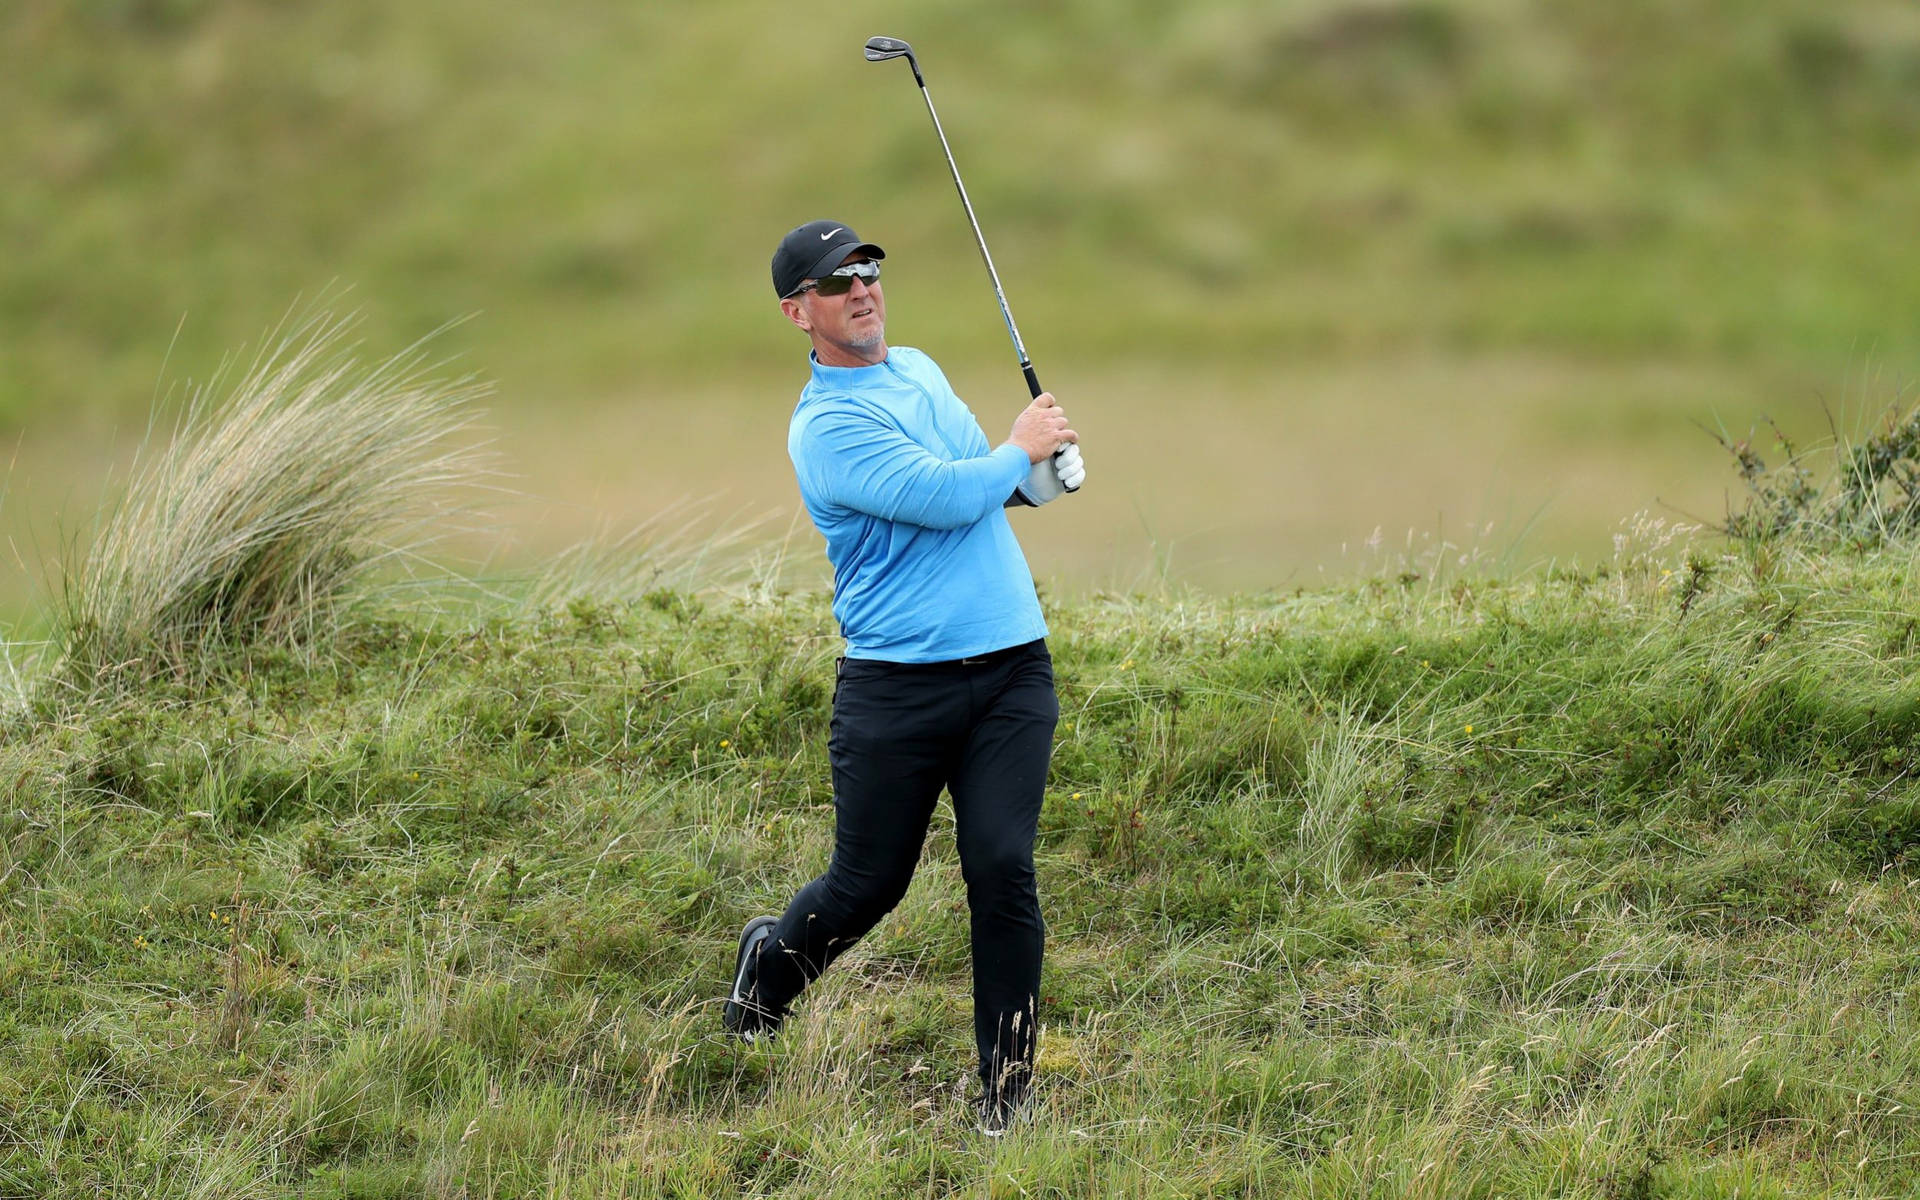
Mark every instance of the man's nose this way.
pixel 859 287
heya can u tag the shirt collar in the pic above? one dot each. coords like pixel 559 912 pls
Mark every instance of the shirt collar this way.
pixel 822 373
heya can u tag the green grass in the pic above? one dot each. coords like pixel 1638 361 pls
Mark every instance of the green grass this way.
pixel 1592 885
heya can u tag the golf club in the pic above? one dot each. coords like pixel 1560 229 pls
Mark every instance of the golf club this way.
pixel 880 49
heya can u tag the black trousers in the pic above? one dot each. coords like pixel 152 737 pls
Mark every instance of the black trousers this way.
pixel 983 729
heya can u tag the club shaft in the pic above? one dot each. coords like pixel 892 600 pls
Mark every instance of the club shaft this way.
pixel 1013 331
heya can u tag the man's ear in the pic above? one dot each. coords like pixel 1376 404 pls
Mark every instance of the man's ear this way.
pixel 796 312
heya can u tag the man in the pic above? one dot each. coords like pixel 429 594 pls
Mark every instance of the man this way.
pixel 946 680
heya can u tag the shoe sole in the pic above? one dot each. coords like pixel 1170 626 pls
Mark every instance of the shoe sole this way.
pixel 1007 1124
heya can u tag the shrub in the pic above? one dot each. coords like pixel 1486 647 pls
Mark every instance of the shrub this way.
pixel 1872 497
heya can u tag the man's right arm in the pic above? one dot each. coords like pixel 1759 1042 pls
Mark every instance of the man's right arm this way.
pixel 861 462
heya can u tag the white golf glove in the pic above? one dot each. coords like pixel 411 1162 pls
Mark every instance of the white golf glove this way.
pixel 1054 475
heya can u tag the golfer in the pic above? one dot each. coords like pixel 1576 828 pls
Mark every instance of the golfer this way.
pixel 946 682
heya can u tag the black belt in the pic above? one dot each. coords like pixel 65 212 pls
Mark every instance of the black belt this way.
pixel 994 656
pixel 975 660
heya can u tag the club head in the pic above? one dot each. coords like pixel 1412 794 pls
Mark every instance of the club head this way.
pixel 880 49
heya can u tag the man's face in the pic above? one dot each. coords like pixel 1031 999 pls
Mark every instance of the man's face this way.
pixel 853 324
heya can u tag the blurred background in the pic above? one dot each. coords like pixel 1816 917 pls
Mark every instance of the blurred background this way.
pixel 1322 282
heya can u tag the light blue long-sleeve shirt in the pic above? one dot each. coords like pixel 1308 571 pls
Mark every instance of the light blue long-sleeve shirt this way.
pixel 898 476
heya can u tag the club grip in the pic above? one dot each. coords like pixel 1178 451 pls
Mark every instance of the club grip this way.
pixel 1034 389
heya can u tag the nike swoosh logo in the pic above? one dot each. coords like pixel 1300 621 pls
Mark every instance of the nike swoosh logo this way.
pixel 825 236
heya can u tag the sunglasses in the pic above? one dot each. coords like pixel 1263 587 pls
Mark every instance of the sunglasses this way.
pixel 841 281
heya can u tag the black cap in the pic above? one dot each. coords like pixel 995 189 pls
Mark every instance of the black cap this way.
pixel 813 250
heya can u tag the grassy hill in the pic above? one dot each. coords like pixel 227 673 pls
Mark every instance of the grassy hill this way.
pixel 1591 886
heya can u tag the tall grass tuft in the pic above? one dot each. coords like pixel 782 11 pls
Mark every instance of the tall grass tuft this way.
pixel 268 503
pixel 1334 788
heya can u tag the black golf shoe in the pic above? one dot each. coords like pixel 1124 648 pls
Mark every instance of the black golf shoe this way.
pixel 1006 1106
pixel 741 1015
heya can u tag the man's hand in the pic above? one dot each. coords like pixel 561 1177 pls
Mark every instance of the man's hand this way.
pixel 1068 466
pixel 1050 479
pixel 1041 428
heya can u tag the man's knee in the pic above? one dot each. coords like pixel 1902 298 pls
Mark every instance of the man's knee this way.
pixel 1000 868
pixel 869 896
